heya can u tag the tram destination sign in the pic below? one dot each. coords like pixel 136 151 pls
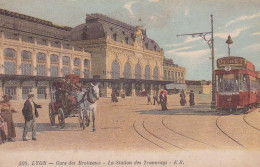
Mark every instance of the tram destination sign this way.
pixel 231 61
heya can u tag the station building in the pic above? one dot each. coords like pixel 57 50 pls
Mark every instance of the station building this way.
pixel 34 53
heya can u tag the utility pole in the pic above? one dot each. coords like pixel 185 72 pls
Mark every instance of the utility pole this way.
pixel 210 43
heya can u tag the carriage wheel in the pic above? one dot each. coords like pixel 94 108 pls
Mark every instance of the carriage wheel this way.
pixel 51 116
pixel 61 118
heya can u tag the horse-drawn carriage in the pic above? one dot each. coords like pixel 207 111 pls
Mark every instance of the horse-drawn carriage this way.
pixel 69 100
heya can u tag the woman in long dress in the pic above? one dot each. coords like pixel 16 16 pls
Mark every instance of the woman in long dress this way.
pixel 7 114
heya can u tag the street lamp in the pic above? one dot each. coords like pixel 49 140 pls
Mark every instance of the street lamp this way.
pixel 210 43
pixel 229 42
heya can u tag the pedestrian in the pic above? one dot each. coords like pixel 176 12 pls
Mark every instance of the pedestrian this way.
pixel 192 103
pixel 7 115
pixel 30 114
pixel 149 98
pixel 3 130
pixel 183 98
pixel 163 100
pixel 155 98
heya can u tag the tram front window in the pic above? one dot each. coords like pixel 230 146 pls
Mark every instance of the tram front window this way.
pixel 228 83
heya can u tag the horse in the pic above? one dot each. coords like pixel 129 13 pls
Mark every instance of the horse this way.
pixel 87 103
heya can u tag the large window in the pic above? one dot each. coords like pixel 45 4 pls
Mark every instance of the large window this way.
pixel 41 57
pixel 127 70
pixel 25 91
pixel 138 71
pixel 155 73
pixel 41 93
pixel 26 69
pixel 11 91
pixel 10 68
pixel 54 71
pixel 86 63
pixel 77 62
pixel 65 60
pixel 41 70
pixel 9 53
pixel 54 59
pixel 26 55
pixel 147 72
pixel 77 71
pixel 230 83
pixel 115 70
pixel 65 71
pixel 86 73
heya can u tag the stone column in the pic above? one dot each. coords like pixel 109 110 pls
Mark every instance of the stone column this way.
pixel 60 65
pixel 81 67
pixel 72 64
pixel 48 64
pixel 34 64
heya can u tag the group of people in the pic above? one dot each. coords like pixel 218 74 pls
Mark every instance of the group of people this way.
pixel 7 128
pixel 163 99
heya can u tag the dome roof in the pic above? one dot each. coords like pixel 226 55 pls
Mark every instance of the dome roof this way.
pixel 98 25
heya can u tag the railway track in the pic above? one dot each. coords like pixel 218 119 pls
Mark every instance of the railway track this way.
pixel 163 123
pixel 153 138
pixel 217 124
pixel 244 118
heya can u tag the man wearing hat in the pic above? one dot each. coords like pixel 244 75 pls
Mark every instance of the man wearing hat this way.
pixel 30 114
pixel 7 115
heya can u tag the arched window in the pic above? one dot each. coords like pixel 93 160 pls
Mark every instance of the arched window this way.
pixel 155 73
pixel 115 70
pixel 77 62
pixel 165 75
pixel 147 72
pixel 41 57
pixel 26 66
pixel 9 63
pixel 169 75
pixel 127 70
pixel 86 63
pixel 65 60
pixel 26 55
pixel 138 71
pixel 54 69
pixel 172 76
pixel 9 53
pixel 54 59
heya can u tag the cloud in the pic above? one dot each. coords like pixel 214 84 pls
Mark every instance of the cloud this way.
pixel 187 40
pixel 254 47
pixel 191 54
pixel 128 6
pixel 186 12
pixel 256 33
pixel 233 34
pixel 243 18
pixel 153 0
pixel 178 49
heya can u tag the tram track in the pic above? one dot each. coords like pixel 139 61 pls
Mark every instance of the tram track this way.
pixel 154 139
pixel 163 123
pixel 134 126
pixel 244 118
pixel 160 138
pixel 217 124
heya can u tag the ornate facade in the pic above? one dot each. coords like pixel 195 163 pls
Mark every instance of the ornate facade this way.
pixel 172 72
pixel 35 52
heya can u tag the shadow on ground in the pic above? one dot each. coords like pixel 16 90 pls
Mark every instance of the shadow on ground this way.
pixel 201 109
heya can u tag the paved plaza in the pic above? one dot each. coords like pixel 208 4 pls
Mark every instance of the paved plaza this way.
pixel 132 125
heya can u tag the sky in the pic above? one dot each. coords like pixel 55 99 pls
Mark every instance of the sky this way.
pixel 163 20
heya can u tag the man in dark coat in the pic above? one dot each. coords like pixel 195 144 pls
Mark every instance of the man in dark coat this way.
pixel 192 103
pixel 30 114
pixel 163 100
pixel 183 98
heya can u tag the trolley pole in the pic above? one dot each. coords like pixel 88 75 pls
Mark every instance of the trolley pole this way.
pixel 210 43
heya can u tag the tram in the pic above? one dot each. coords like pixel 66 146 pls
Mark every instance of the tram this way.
pixel 237 84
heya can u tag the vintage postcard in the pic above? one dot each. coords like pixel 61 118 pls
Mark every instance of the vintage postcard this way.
pixel 125 83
